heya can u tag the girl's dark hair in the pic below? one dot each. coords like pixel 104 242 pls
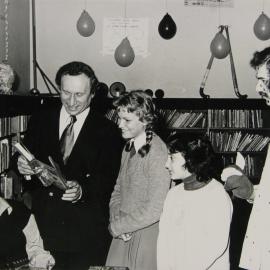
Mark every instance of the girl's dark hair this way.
pixel 140 103
pixel 77 68
pixel 201 160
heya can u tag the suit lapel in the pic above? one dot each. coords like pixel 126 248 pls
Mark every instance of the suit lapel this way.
pixel 83 137
pixel 53 134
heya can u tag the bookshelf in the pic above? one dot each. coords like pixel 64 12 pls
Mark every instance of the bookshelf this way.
pixel 231 124
pixel 15 112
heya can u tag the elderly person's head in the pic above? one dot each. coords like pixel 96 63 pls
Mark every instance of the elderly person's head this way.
pixel 261 63
pixel 7 78
pixel 193 155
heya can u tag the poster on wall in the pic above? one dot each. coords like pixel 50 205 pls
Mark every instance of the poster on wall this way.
pixel 116 29
pixel 209 3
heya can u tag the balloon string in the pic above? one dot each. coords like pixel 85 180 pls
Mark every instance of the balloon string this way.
pixel 85 4
pixel 219 12
pixel 263 5
pixel 125 11
pixel 166 5
pixel 6 31
pixel 125 18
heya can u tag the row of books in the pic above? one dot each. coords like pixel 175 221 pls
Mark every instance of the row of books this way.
pixel 181 119
pixel 235 118
pixel 197 119
pixel 4 155
pixel 15 124
pixel 238 141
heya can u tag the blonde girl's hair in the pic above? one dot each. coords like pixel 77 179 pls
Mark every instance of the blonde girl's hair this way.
pixel 140 103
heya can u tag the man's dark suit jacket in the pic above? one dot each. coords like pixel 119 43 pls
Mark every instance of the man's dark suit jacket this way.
pixel 94 163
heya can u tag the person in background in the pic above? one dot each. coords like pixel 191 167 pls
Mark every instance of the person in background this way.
pixel 195 223
pixel 87 146
pixel 256 246
pixel 143 182
pixel 20 239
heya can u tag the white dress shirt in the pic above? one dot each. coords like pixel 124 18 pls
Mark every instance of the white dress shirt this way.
pixel 65 120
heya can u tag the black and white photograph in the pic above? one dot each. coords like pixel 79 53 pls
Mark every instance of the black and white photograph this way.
pixel 134 134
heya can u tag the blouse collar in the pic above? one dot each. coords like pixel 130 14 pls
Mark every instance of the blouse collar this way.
pixel 139 141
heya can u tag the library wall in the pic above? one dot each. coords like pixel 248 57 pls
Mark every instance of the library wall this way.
pixel 177 65
pixel 18 41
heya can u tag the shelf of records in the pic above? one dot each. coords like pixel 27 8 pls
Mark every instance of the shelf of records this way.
pixel 202 119
pixel 12 125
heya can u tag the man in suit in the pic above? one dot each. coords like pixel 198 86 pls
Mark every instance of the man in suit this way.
pixel 74 223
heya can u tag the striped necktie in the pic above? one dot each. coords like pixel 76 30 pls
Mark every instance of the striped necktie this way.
pixel 67 139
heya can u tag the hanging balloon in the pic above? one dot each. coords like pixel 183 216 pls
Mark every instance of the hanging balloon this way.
pixel 85 24
pixel 167 27
pixel 124 54
pixel 220 46
pixel 261 27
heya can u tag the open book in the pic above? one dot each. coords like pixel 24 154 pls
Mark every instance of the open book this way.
pixel 48 175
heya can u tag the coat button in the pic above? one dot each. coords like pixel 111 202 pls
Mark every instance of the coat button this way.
pixel 51 194
pixel 87 175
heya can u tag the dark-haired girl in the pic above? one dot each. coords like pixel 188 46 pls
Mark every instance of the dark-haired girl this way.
pixel 195 223
pixel 143 182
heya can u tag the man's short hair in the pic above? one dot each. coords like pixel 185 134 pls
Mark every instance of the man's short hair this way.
pixel 77 68
pixel 261 57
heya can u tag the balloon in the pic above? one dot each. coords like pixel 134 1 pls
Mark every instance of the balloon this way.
pixel 220 46
pixel 261 27
pixel 85 24
pixel 167 27
pixel 124 53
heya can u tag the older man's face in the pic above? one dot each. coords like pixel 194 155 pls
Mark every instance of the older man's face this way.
pixel 75 93
pixel 263 84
